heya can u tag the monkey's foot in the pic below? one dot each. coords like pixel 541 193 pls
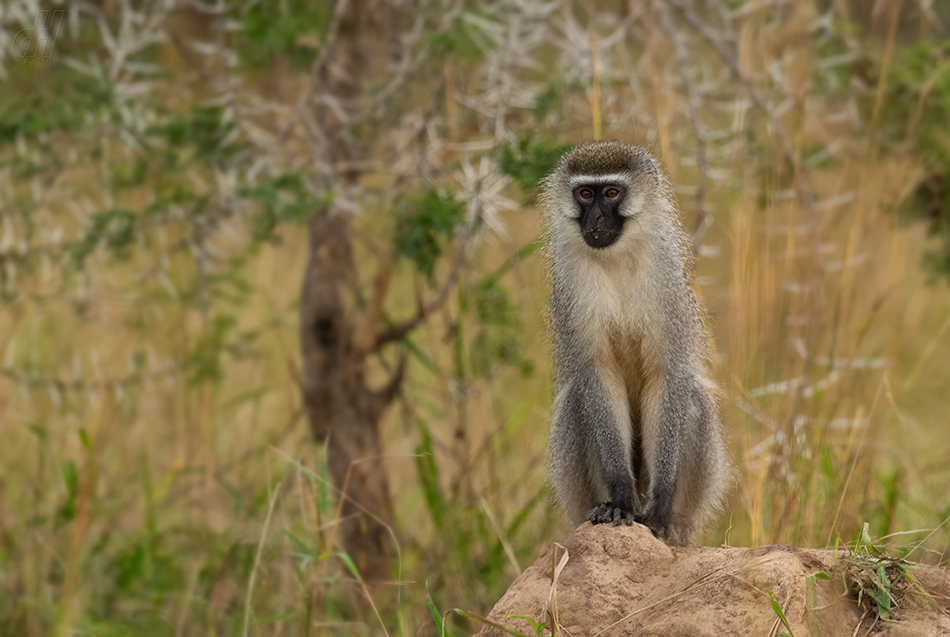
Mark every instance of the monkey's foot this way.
pixel 607 512
pixel 671 533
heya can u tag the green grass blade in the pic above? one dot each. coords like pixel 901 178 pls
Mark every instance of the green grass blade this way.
pixel 350 566
pixel 482 620
pixel 436 615
pixel 778 611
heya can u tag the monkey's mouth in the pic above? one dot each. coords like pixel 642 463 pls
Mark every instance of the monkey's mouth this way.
pixel 599 238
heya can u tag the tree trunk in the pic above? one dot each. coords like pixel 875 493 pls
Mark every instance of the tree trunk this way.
pixel 336 340
pixel 342 409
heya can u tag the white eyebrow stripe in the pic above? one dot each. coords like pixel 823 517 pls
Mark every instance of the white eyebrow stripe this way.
pixel 611 178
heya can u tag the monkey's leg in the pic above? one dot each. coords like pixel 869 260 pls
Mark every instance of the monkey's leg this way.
pixel 703 470
pixel 574 474
pixel 667 410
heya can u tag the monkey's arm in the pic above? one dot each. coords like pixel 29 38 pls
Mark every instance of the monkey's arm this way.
pixel 593 407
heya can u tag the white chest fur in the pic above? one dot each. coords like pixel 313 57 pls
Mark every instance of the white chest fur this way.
pixel 613 289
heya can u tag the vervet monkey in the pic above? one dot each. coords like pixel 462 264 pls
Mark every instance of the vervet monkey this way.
pixel 636 434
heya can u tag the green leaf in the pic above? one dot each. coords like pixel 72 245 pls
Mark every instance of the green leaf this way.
pixel 428 471
pixel 292 29
pixel 306 550
pixel 350 566
pixel 205 362
pixel 67 511
pixel 419 355
pixel 917 90
pixel 482 620
pixel 114 228
pixel 326 503
pixel 456 42
pixel 36 430
pixel 811 601
pixel 865 542
pixel 423 224
pixel 881 594
pixel 529 161
pixel 272 620
pixel 535 626
pixel 522 514
pixel 499 338
pixel 67 102
pixel 129 566
pixel 286 198
pixel 205 129
pixel 827 463
pixel 882 599
pixel 523 253
pixel 84 439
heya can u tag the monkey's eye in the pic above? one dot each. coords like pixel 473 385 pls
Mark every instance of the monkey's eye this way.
pixel 611 193
pixel 586 194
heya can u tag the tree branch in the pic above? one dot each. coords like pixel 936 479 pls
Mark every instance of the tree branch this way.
pixel 803 191
pixel 692 105
pixel 397 332
pixel 86 385
pixel 364 334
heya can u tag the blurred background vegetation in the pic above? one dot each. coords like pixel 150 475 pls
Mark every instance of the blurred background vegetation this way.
pixel 168 170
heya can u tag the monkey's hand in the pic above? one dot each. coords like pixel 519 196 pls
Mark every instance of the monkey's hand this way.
pixel 607 512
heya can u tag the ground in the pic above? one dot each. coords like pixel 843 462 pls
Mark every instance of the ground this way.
pixel 619 581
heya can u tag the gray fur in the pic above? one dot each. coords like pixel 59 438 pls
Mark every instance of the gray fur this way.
pixel 636 415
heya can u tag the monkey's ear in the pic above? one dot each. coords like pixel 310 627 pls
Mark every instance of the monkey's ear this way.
pixel 650 167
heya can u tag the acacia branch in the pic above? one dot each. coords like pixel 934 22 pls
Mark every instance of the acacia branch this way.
pixel 397 332
pixel 408 69
pixel 363 337
pixel 692 105
pixel 86 385
pixel 315 70
pixel 711 37
pixel 387 393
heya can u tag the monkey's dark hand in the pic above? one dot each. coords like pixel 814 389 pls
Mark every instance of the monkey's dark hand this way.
pixel 608 513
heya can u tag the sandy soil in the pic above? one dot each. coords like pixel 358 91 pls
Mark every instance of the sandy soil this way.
pixel 606 580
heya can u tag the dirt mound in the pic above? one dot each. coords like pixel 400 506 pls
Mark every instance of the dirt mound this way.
pixel 606 580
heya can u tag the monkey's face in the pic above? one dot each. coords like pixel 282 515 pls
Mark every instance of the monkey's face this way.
pixel 600 219
pixel 603 201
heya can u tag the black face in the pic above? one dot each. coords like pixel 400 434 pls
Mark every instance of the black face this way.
pixel 600 218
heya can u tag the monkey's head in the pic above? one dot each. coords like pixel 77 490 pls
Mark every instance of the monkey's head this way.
pixel 598 188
